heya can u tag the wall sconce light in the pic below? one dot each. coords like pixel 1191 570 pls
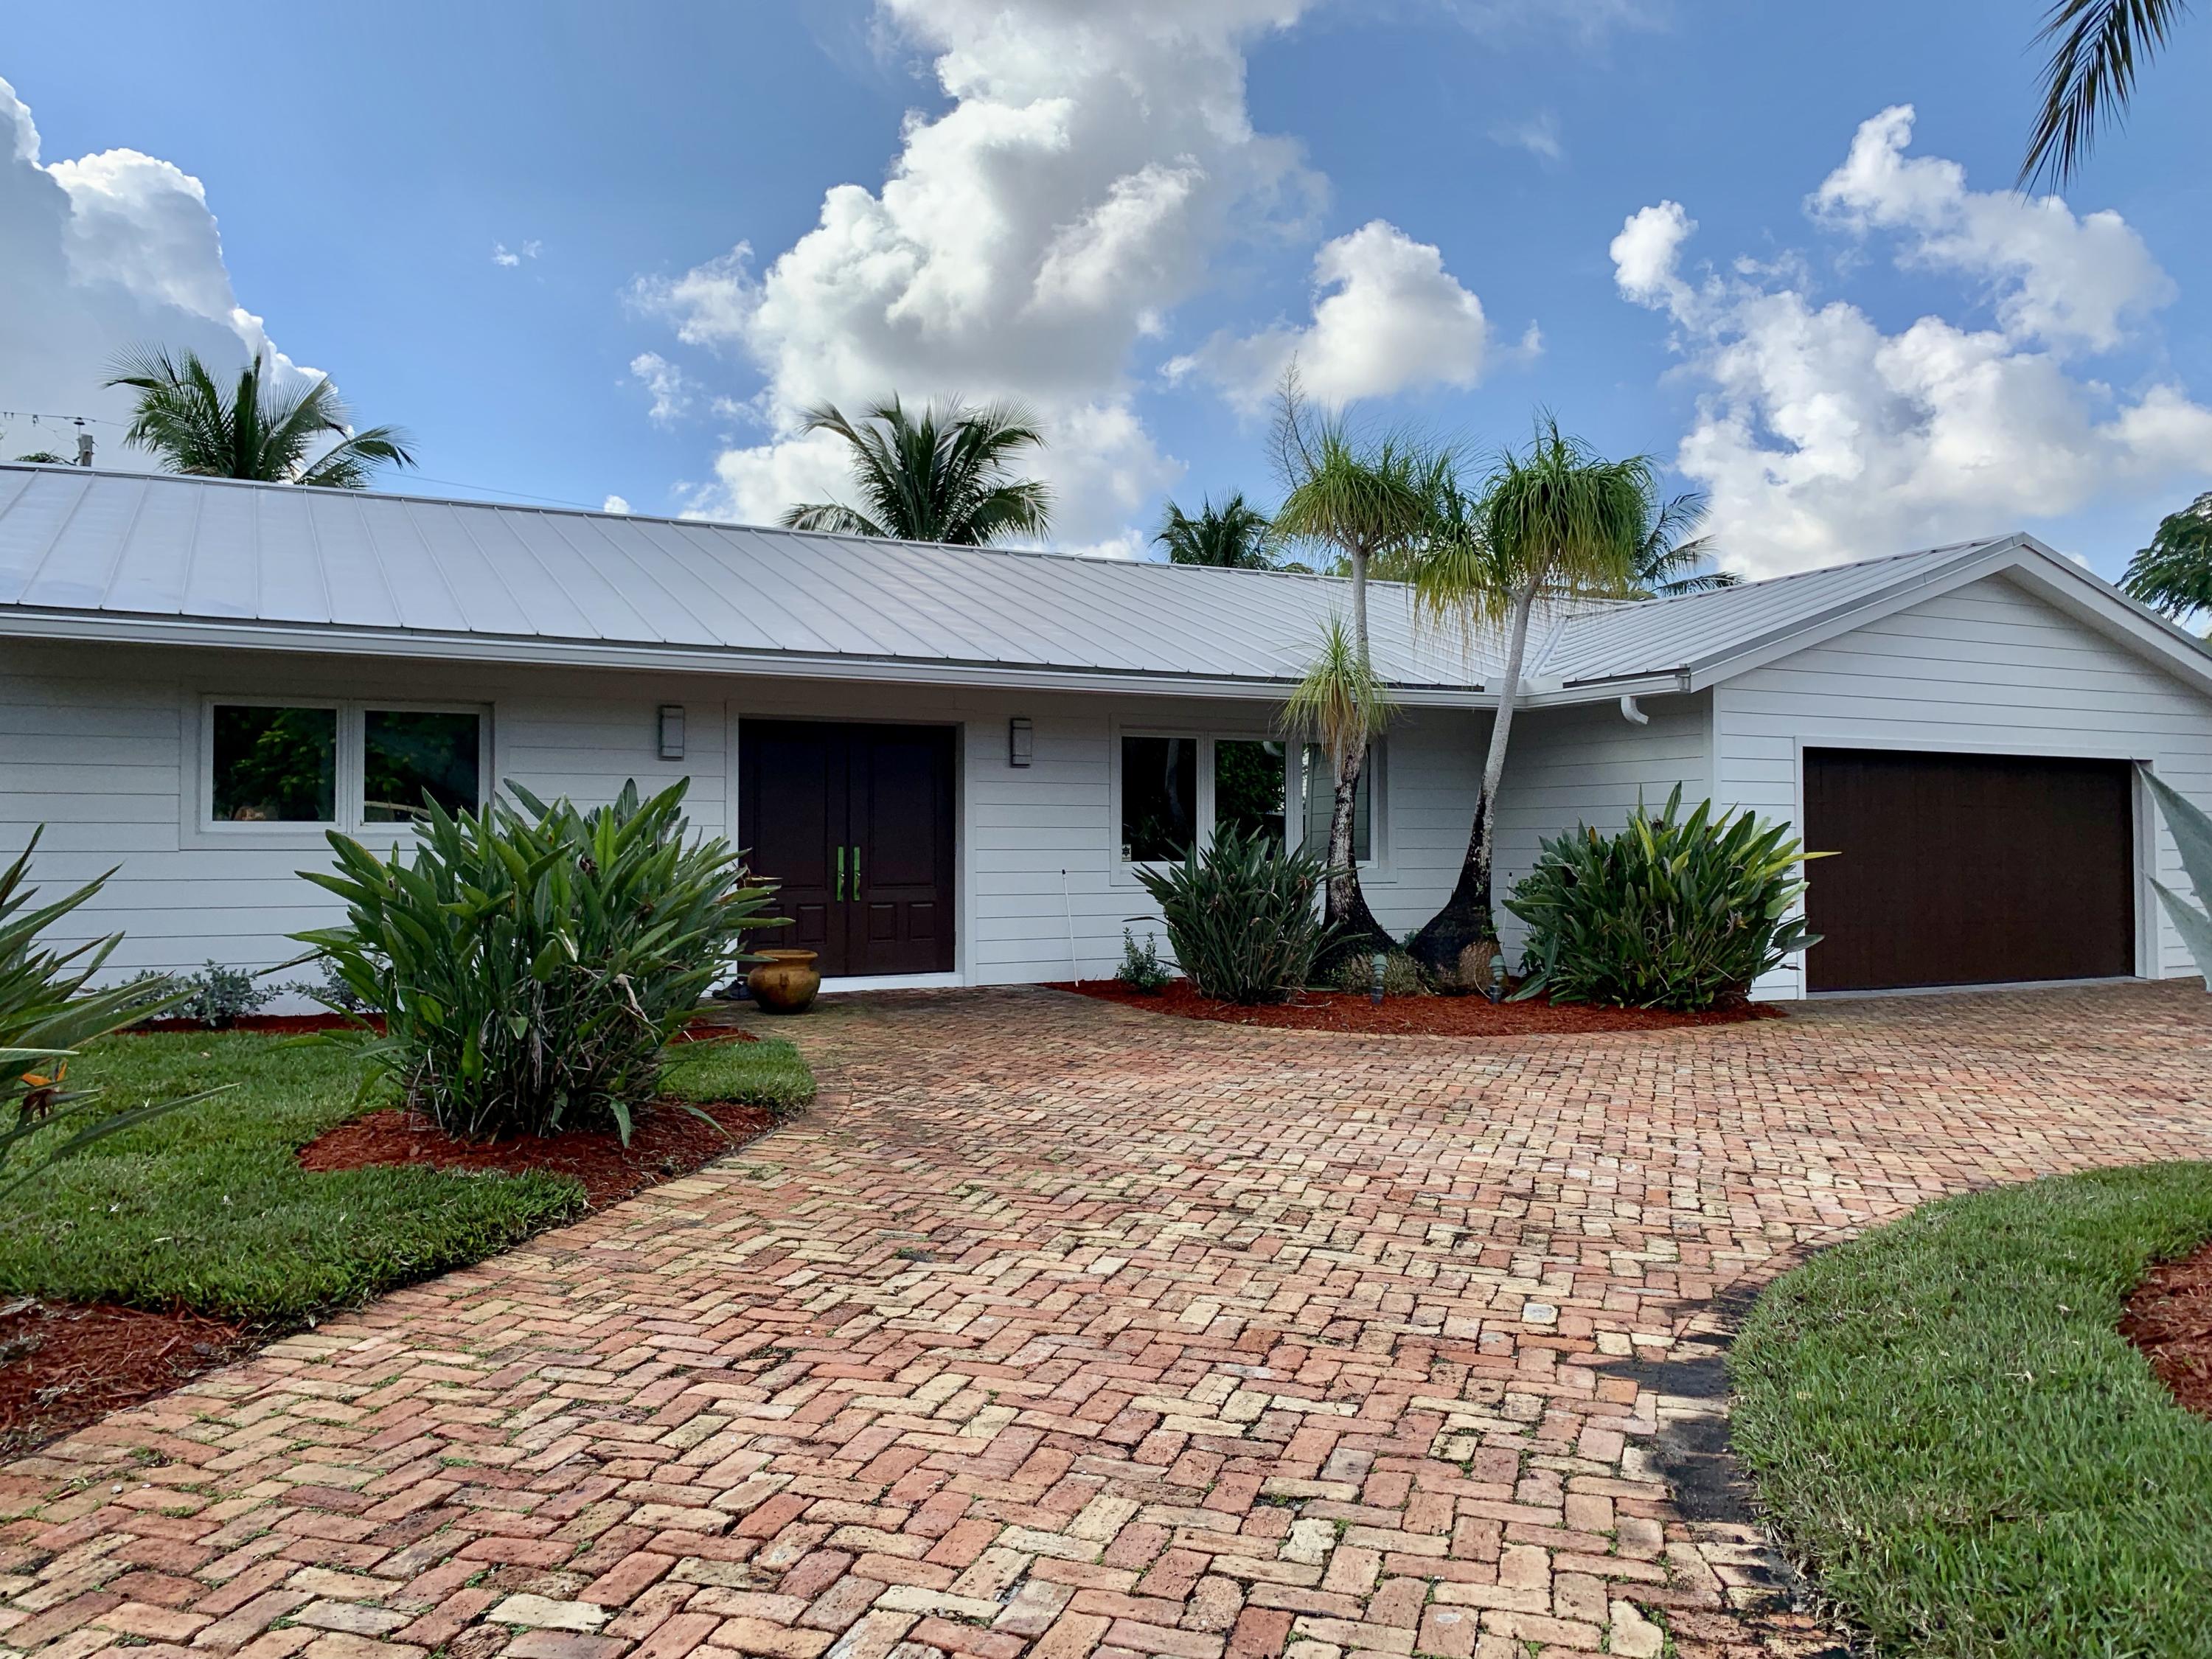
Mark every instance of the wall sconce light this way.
pixel 671 731
pixel 1021 742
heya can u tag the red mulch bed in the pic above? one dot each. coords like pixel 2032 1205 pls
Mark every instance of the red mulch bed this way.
pixel 667 1142
pixel 1468 1017
pixel 63 1367
pixel 2169 1318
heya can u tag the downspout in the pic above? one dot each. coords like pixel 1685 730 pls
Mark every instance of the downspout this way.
pixel 1631 714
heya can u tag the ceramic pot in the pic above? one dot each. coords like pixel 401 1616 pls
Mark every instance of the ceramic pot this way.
pixel 785 982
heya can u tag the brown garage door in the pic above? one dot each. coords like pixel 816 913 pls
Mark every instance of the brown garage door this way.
pixel 1966 869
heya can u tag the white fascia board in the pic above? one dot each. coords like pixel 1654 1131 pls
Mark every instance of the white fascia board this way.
pixel 506 651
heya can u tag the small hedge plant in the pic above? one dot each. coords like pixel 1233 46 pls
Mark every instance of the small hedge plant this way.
pixel 530 960
pixel 1242 916
pixel 1672 912
pixel 1141 969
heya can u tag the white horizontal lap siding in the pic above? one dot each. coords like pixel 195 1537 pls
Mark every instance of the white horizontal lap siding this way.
pixel 1591 765
pixel 1043 893
pixel 1989 667
pixel 92 746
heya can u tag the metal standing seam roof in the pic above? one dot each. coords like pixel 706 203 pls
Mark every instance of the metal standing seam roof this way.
pixel 227 559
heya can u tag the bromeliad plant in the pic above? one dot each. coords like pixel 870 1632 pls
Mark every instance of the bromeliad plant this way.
pixel 530 960
pixel 47 1013
pixel 1241 916
pixel 1673 911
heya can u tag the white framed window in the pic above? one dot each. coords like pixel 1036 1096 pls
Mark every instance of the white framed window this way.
pixel 280 767
pixel 1174 788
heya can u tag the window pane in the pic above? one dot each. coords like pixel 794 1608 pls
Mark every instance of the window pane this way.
pixel 1248 787
pixel 1320 802
pixel 406 756
pixel 1159 797
pixel 274 765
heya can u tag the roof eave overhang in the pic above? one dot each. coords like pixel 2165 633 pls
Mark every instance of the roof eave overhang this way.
pixel 509 651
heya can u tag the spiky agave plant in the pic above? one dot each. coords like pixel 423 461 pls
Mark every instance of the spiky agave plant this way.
pixel 48 1013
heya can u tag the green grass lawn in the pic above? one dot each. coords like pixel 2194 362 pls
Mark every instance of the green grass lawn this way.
pixel 1945 1423
pixel 207 1208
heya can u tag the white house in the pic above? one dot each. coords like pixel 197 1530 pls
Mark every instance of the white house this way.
pixel 954 759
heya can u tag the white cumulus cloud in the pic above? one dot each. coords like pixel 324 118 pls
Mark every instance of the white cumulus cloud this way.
pixel 671 391
pixel 1823 437
pixel 99 256
pixel 1387 318
pixel 1031 239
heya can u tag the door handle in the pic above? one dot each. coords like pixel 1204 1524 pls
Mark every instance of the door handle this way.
pixel 841 875
pixel 856 870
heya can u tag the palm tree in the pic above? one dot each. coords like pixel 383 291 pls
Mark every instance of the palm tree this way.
pixel 1341 706
pixel 1362 501
pixel 2174 573
pixel 1231 537
pixel 1670 557
pixel 1555 522
pixel 253 431
pixel 2091 76
pixel 943 475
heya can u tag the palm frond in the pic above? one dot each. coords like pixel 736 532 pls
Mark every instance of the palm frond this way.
pixel 1235 535
pixel 252 431
pixel 2100 46
pixel 1340 701
pixel 942 475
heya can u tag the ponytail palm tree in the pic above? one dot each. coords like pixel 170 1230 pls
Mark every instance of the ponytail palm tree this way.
pixel 1554 522
pixel 1363 501
pixel 193 424
pixel 944 474
pixel 1234 536
pixel 2099 47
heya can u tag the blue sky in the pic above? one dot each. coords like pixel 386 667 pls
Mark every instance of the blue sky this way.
pixel 1915 358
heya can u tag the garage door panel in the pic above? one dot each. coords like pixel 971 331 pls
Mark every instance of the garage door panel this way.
pixel 1967 869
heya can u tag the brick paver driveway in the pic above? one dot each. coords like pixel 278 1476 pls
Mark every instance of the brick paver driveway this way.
pixel 1068 1329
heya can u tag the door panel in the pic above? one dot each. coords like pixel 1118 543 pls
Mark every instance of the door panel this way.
pixel 1967 869
pixel 901 781
pixel 857 822
pixel 791 821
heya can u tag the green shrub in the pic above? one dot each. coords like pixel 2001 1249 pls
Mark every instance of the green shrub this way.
pixel 1141 969
pixel 530 963
pixel 1241 916
pixel 1402 976
pixel 1670 913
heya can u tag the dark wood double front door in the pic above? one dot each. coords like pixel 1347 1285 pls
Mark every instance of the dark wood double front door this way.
pixel 856 822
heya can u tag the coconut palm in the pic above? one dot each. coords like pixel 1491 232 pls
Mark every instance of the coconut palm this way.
pixel 2174 573
pixel 2098 45
pixel 942 475
pixel 1234 536
pixel 1554 522
pixel 253 430
pixel 1362 501
pixel 1670 559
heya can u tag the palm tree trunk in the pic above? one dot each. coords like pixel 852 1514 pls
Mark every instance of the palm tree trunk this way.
pixel 1458 943
pixel 1485 849
pixel 1345 906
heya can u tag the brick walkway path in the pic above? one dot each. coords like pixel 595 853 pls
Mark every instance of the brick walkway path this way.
pixel 1062 1329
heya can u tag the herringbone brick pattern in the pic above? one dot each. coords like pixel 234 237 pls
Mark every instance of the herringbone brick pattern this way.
pixel 1061 1329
